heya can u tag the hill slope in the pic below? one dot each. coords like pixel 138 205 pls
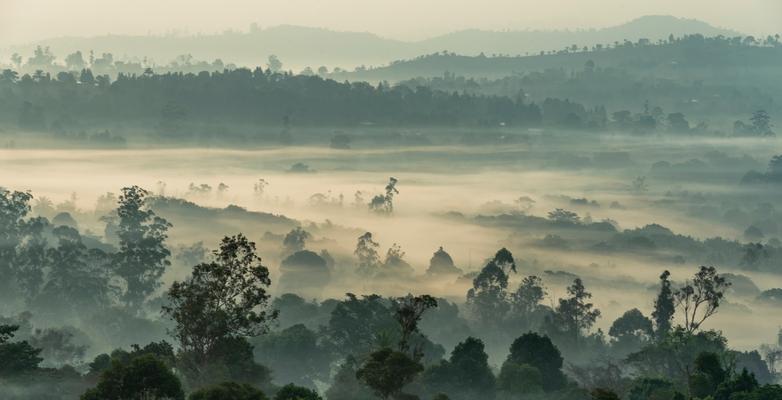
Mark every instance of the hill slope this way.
pixel 301 46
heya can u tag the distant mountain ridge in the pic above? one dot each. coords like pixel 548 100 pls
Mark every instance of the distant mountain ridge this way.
pixel 300 46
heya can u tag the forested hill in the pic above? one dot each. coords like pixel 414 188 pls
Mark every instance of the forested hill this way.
pixel 299 46
pixel 671 57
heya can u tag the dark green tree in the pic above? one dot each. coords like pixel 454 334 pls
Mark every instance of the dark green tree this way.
pixel 388 371
pixel 575 315
pixel 14 207
pixel 144 377
pixel 739 387
pixel 16 358
pixel 345 385
pixel 465 375
pixel 517 380
pixel 223 299
pixel 142 256
pixel 408 311
pixel 631 331
pixel 538 351
pixel 295 240
pixel 488 297
pixel 707 375
pixel 525 302
pixel 664 307
pixel 603 394
pixel 366 252
pixel 78 278
pixel 296 354
pixel 228 391
pixel 293 392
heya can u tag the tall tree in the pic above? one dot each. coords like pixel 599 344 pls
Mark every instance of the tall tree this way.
pixel 366 252
pixel 465 375
pixel 16 357
pixel 525 301
pixel 223 299
pixel 488 297
pixel 408 311
pixel 700 297
pixel 144 377
pixel 538 351
pixel 664 307
pixel 14 207
pixel 388 371
pixel 295 240
pixel 143 257
pixel 575 315
pixel 74 284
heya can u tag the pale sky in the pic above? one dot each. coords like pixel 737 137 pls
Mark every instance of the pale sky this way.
pixel 28 20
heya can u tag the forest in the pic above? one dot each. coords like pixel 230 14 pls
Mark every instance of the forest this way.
pixel 322 213
pixel 627 86
pixel 223 335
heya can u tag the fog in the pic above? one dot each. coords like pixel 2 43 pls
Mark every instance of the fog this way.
pixel 344 200
pixel 470 181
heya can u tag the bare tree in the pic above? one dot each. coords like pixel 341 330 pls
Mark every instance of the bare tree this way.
pixel 699 298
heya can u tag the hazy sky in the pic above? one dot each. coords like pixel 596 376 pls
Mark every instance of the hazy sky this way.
pixel 25 20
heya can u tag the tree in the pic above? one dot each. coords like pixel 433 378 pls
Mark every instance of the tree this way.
pixel 441 263
pixel 677 123
pixel 9 75
pixel 362 325
pixel 274 64
pixel 293 392
pixel 384 203
pixel 77 280
pixel 465 375
pixel 744 383
pixel 603 394
pixel 575 315
pixel 538 351
pixel 228 391
pixel 42 58
pixel 564 216
pixel 519 379
pixel 388 371
pixel 674 357
pixel 664 307
pixel 408 311
pixel 304 270
pixel 699 299
pixel 631 331
pixel 652 388
pixel 525 301
pixel 74 61
pixel 59 346
pixel 366 252
pixel 16 357
pixel 14 207
pixel 345 385
pixel 296 354
pixel 488 296
pixel 86 77
pixel 142 256
pixel 31 257
pixel 775 165
pixel 144 377
pixel 225 298
pixel 295 240
pixel 707 376
pixel 761 123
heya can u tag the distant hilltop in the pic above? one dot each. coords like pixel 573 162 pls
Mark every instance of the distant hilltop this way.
pixel 299 46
